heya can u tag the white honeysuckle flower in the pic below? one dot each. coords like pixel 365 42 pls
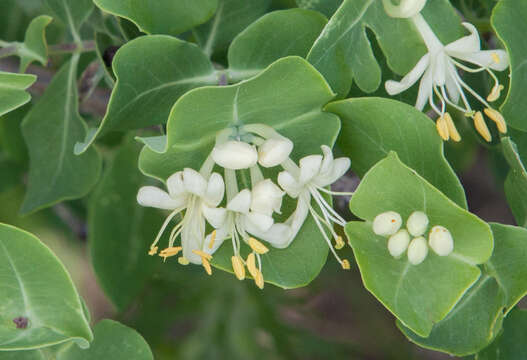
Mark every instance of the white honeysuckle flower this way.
pixel 405 9
pixel 417 250
pixel 387 223
pixel 266 197
pixel 273 152
pixel 235 155
pixel 417 223
pixel 398 243
pixel 441 241
pixel 188 191
pixel 438 71
pixel 306 182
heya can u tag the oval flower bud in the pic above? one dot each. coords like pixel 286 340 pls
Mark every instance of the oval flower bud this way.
pixel 440 240
pixel 273 152
pixel 398 243
pixel 417 250
pixel 266 197
pixel 387 223
pixel 417 223
pixel 235 155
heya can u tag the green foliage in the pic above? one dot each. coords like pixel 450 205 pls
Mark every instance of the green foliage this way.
pixel 34 47
pixel 326 7
pixel 12 90
pixel 516 182
pixel 72 13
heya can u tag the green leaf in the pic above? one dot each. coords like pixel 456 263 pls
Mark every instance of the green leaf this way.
pixel 146 90
pixel 51 129
pixel 34 47
pixel 12 90
pixel 120 231
pixel 512 343
pixel 326 7
pixel 36 287
pixel 72 13
pixel 372 127
pixel 508 19
pixel 161 16
pixel 343 50
pixel 260 44
pixel 509 261
pixel 516 182
pixel 232 16
pixel 470 326
pixel 418 295
pixel 297 93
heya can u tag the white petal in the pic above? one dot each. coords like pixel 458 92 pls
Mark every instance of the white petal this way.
pixel 194 182
pixel 260 221
pixel 235 155
pixel 466 44
pixel 273 152
pixel 450 82
pixel 278 235
pixel 215 216
pixel 157 198
pixel 327 162
pixel 396 87
pixel 175 184
pixel 266 197
pixel 340 166
pixel 192 238
pixel 241 202
pixel 221 236
pixel 215 190
pixel 486 58
pixel 425 90
pixel 309 167
pixel 289 184
pixel 438 65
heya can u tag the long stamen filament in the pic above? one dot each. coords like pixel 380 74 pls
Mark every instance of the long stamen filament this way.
pixel 163 227
pixel 324 205
pixel 337 193
pixel 321 228
pixel 455 76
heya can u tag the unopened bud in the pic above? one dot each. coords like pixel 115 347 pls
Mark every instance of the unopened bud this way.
pixel 273 152
pixel 235 155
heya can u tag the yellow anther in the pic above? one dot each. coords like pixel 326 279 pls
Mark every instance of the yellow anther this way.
pixel 239 269
pixel 206 265
pixel 339 243
pixel 481 126
pixel 495 93
pixel 183 260
pixel 251 265
pixel 345 264
pixel 442 128
pixel 495 57
pixel 203 255
pixel 258 279
pixel 452 130
pixel 170 251
pixel 495 116
pixel 152 251
pixel 257 246
pixel 212 238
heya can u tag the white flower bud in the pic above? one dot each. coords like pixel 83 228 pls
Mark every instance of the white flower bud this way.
pixel 273 152
pixel 417 223
pixel 398 243
pixel 266 197
pixel 441 241
pixel 387 223
pixel 417 250
pixel 235 155
pixel 405 9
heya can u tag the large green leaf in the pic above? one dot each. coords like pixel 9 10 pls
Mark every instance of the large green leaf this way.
pixel 509 261
pixel 120 231
pixel 297 93
pixel 72 13
pixel 146 88
pixel 232 16
pixel 260 44
pixel 51 129
pixel 508 19
pixel 516 182
pixel 326 7
pixel 418 295
pixel 34 47
pixel 39 305
pixel 343 50
pixel 470 326
pixel 12 90
pixel 161 16
pixel 372 127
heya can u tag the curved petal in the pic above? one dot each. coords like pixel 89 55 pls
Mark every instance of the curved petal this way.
pixel 215 190
pixel 278 235
pixel 260 221
pixel 425 90
pixel 215 216
pixel 193 238
pixel 289 184
pixel 221 236
pixel 466 44
pixel 327 161
pixel 397 87
pixel 155 197
pixel 450 82
pixel 309 167
pixel 241 202
pixel 340 166
pixel 175 184
pixel 495 59
pixel 266 197
pixel 194 182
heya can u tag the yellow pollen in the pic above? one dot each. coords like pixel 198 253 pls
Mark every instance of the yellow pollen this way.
pixel 452 130
pixel 251 265
pixel 183 260
pixel 257 246
pixel 495 93
pixel 495 57
pixel 152 251
pixel 212 238
pixel 339 243
pixel 258 279
pixel 495 116
pixel 203 255
pixel 345 264
pixel 481 126
pixel 170 251
pixel 206 265
pixel 442 128
pixel 239 269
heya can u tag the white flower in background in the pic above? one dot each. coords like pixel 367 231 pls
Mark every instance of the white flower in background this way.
pixel 306 182
pixel 405 9
pixel 188 191
pixel 441 84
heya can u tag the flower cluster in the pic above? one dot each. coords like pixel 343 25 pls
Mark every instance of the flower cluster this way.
pixel 248 213
pixel 441 83
pixel 389 224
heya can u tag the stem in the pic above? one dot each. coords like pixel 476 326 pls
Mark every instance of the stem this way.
pixel 84 46
pixel 8 51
